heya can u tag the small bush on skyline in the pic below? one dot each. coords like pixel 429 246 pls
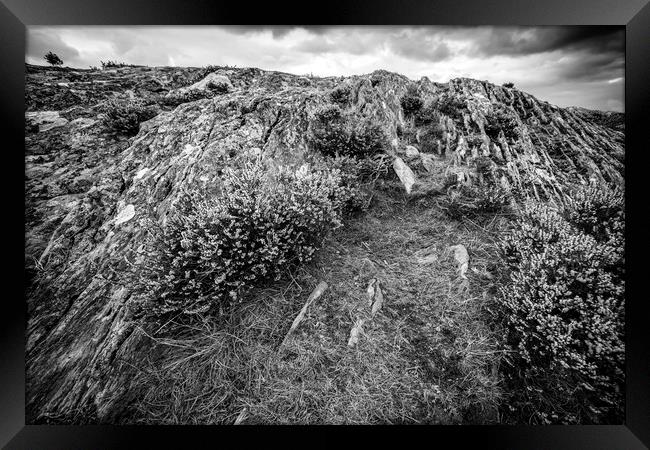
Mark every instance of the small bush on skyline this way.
pixel 53 59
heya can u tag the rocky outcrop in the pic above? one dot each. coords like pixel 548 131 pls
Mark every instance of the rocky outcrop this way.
pixel 211 81
pixel 87 188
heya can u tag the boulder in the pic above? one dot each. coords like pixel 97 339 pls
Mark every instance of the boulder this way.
pixel 209 82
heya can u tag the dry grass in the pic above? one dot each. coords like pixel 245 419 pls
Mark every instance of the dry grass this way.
pixel 428 356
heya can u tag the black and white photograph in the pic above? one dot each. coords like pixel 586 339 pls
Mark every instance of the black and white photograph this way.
pixel 346 225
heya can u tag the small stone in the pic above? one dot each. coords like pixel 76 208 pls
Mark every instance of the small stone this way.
pixel 371 291
pixel 125 215
pixel 141 173
pixel 356 330
pixel 428 162
pixel 411 151
pixel 379 299
pixel 429 259
pixel 462 257
pixel 404 173
pixel 189 148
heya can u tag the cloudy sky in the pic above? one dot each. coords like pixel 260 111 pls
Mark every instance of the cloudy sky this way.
pixel 566 66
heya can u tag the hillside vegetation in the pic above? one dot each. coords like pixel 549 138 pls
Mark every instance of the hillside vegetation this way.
pixel 470 238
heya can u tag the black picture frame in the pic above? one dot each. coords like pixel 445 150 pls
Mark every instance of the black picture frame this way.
pixel 634 15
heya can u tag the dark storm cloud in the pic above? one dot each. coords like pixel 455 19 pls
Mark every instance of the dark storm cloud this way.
pixel 523 41
pixel 593 67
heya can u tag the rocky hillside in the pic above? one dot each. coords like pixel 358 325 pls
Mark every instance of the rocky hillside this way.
pixel 86 185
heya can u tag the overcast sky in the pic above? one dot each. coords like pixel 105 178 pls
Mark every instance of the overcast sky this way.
pixel 566 66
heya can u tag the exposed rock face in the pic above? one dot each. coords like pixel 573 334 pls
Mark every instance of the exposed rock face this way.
pixel 86 188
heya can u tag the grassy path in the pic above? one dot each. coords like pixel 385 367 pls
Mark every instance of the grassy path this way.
pixel 427 356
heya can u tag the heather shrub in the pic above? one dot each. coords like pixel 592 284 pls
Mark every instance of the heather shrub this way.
pixel 333 133
pixel 358 177
pixel 491 199
pixel 564 307
pixel 451 106
pixel 341 94
pixel 411 101
pixel 501 120
pixel 430 136
pixel 125 115
pixel 598 212
pixel 427 114
pixel 406 133
pixel 112 64
pixel 213 247
pixel 483 164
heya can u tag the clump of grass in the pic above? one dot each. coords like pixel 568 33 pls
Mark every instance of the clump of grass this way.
pixel 125 115
pixel 360 176
pixel 474 201
pixel 430 136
